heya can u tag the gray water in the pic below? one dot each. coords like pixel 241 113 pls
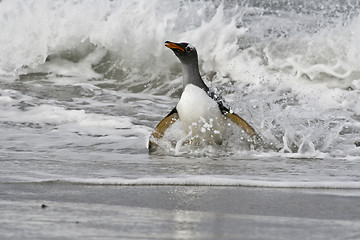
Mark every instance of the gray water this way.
pixel 82 85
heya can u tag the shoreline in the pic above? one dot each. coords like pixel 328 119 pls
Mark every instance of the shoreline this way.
pixel 49 210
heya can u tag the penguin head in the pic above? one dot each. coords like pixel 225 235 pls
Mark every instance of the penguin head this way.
pixel 184 51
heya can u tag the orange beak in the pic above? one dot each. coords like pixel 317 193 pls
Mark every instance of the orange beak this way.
pixel 173 46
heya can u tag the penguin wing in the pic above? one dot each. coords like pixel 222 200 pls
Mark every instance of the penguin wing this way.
pixel 161 128
pixel 242 123
pixel 238 121
pixel 234 117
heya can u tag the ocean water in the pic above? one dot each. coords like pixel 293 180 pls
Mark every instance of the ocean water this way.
pixel 83 83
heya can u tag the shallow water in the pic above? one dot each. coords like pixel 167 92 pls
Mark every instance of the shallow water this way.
pixel 80 93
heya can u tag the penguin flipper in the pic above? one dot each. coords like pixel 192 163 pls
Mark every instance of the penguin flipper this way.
pixel 234 117
pixel 241 123
pixel 161 128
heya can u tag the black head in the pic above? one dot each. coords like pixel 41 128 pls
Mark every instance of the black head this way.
pixel 184 51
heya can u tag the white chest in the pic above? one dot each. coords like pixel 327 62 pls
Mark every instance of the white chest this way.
pixel 200 114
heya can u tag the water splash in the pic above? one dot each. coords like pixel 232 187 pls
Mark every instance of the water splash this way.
pixel 290 70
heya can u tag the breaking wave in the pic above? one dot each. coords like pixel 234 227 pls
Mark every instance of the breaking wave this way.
pixel 291 68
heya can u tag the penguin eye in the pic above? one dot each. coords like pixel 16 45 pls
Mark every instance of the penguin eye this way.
pixel 188 49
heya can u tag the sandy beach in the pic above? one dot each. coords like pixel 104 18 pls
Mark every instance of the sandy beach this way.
pixel 75 211
pixel 83 85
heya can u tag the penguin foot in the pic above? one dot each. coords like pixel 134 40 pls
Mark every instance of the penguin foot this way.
pixel 152 146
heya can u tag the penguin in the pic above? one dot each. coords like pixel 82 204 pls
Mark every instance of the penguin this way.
pixel 202 113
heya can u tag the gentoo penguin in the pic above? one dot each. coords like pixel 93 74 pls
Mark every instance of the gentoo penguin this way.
pixel 202 114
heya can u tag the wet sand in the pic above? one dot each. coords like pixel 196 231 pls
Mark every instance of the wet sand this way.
pixel 75 211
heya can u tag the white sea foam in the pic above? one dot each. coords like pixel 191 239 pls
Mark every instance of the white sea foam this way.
pixel 288 83
pixel 212 181
pixel 134 33
pixel 57 115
